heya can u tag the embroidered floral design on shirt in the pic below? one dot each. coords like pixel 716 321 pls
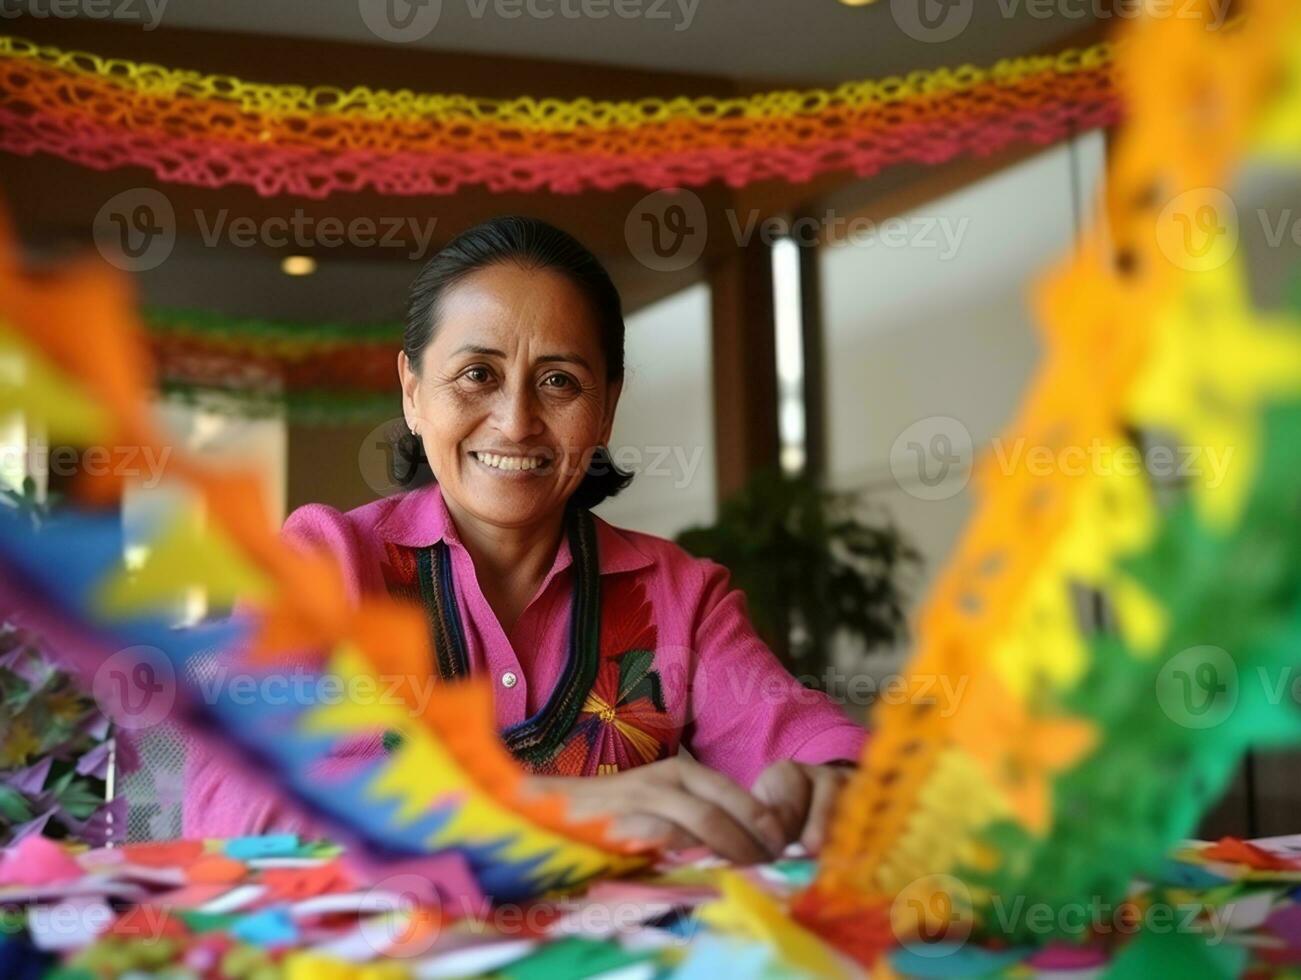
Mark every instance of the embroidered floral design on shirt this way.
pixel 623 722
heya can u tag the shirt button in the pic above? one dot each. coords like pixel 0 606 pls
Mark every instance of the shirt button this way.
pixel 509 679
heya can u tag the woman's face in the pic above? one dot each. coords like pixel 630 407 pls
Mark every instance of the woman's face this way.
pixel 512 397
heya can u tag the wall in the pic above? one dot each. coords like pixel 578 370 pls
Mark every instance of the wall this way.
pixel 931 342
pixel 664 426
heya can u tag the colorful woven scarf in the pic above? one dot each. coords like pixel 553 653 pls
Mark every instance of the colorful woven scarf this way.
pixel 535 740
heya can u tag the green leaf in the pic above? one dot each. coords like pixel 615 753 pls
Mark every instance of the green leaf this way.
pixel 14 806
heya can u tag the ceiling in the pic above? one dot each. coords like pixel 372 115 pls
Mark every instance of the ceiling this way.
pixel 792 41
pixel 675 47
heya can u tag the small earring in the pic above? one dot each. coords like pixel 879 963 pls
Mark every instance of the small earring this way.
pixel 414 426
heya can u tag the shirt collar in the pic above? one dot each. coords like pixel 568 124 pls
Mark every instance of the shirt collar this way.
pixel 419 518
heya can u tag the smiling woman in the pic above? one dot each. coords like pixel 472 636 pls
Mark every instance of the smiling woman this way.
pixel 610 650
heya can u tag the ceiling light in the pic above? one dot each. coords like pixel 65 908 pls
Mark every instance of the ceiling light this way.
pixel 298 265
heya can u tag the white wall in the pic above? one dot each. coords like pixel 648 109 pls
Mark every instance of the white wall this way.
pixel 664 428
pixel 937 336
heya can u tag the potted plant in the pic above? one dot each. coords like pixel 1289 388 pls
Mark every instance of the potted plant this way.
pixel 810 568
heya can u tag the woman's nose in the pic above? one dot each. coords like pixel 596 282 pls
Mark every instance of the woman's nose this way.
pixel 517 415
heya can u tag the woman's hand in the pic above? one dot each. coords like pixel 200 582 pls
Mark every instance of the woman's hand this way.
pixel 803 797
pixel 676 803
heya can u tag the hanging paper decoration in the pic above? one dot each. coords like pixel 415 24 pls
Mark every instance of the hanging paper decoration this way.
pixel 77 369
pixel 1084 745
pixel 214 130
pixel 313 372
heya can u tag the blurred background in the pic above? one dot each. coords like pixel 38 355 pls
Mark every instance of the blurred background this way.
pixel 812 364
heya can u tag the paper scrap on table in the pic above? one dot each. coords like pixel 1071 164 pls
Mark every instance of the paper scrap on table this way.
pixel 473 961
pixel 37 861
pixel 573 959
pixel 611 917
pixel 239 897
pixel 266 846
pixel 1248 912
pixel 268 927
pixel 713 957
pixel 745 910
pixel 69 925
pixel 1177 954
pixel 938 961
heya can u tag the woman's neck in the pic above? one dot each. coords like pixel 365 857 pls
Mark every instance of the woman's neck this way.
pixel 510 562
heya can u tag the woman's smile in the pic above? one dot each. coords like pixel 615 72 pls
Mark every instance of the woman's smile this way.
pixel 512 464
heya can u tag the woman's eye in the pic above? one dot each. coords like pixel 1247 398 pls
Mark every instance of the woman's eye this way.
pixel 558 381
pixel 479 375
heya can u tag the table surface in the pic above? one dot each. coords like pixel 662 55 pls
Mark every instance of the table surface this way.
pixel 279 906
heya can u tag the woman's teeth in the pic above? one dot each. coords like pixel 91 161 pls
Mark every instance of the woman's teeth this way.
pixel 509 462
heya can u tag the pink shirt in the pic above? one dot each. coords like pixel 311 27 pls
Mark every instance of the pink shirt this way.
pixel 712 686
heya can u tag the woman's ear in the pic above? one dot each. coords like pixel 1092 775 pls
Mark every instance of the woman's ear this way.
pixel 410 381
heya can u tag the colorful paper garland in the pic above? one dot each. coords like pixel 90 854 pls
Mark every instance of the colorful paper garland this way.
pixel 1066 768
pixel 78 370
pixel 211 131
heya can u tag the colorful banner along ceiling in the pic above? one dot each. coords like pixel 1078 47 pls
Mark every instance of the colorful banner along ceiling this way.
pixel 213 130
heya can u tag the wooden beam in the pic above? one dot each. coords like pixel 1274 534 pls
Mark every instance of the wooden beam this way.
pixel 745 366
pixel 815 368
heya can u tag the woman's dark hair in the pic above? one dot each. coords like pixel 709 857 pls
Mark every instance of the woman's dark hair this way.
pixel 531 244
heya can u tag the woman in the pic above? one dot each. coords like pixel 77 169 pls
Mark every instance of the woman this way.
pixel 610 651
